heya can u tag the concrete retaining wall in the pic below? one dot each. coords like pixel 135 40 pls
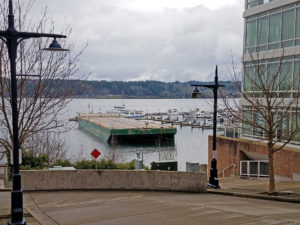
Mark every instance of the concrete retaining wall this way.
pixel 2 172
pixel 113 180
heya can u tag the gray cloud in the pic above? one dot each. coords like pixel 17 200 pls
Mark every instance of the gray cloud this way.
pixel 168 45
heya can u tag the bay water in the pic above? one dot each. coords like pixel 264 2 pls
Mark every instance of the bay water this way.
pixel 191 144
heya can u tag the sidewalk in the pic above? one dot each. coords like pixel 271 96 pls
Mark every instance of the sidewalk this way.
pixel 5 216
pixel 5 208
pixel 258 188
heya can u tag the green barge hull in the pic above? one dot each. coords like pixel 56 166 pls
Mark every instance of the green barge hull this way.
pixel 115 129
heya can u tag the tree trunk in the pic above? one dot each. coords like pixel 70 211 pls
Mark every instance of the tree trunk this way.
pixel 271 169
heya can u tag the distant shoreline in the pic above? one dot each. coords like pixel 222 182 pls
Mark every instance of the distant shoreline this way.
pixel 136 97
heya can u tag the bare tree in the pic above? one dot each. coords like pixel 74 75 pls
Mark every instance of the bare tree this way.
pixel 269 106
pixel 42 98
pixel 45 144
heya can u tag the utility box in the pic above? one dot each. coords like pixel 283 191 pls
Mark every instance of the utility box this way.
pixel 138 164
pixel 192 167
pixel 203 168
pixel 165 165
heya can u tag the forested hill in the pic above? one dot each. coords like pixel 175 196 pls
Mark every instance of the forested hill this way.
pixel 143 89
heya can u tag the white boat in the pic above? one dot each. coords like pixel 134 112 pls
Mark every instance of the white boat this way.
pixel 172 112
pixel 134 114
pixel 118 109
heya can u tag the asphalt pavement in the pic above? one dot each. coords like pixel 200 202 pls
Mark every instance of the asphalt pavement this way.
pixel 163 208
pixel 152 208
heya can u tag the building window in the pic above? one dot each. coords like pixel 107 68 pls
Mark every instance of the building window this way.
pixel 288 27
pixel 247 128
pixel 279 75
pixel 295 122
pixel 296 79
pixel 262 33
pixel 298 26
pixel 285 79
pixel 274 31
pixel 258 130
pixel 279 28
pixel 253 3
pixel 248 78
pixel 251 35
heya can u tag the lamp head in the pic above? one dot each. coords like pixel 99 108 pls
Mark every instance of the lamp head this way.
pixel 196 92
pixel 55 46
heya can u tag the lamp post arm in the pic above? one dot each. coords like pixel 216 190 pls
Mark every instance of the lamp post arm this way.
pixel 26 35
pixel 4 35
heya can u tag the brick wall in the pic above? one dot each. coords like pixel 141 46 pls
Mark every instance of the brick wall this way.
pixel 231 151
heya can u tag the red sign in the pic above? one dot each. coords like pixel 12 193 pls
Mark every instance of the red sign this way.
pixel 95 153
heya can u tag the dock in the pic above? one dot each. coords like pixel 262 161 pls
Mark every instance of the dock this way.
pixel 115 129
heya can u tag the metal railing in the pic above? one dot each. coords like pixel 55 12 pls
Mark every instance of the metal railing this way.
pixel 227 168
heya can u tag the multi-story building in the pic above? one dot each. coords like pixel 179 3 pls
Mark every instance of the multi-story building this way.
pixel 272 39
pixel 272 43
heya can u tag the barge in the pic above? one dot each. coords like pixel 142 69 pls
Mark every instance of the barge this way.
pixel 115 129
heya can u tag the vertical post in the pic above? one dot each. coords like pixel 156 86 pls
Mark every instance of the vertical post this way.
pixel 213 179
pixel 16 193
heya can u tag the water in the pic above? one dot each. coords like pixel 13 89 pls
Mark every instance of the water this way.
pixel 191 145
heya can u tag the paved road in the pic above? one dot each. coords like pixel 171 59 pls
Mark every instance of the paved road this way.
pixel 155 208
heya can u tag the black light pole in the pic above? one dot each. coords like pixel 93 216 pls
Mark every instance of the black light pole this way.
pixel 213 178
pixel 12 38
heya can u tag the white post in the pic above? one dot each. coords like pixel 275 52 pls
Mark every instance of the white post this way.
pixel 258 168
pixel 248 168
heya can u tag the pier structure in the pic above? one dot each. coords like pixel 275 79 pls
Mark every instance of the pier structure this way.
pixel 115 129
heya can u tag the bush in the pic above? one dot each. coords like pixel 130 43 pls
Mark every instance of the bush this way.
pixel 42 162
pixel 30 161
pixel 127 166
pixel 63 162
pixel 103 164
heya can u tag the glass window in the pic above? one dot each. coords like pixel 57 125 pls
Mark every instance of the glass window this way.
pixel 296 75
pixel 296 125
pixel 285 77
pixel 298 23
pixel 246 128
pixel 274 28
pixel 262 30
pixel 258 118
pixel 260 76
pixel 288 18
pixel 272 76
pixel 283 129
pixel 251 34
pixel 262 1
pixel 251 3
pixel 248 78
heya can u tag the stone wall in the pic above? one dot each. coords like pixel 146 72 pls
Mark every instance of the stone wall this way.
pixel 35 180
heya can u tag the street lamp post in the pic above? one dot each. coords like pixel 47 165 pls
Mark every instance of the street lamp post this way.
pixel 11 37
pixel 213 178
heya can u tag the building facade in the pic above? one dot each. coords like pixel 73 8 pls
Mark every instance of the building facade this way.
pixel 271 57
pixel 271 52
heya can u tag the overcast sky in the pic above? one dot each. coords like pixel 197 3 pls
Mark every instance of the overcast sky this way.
pixel 165 40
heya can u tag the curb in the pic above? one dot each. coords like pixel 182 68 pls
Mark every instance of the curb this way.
pixel 255 196
pixel 34 216
pixel 5 189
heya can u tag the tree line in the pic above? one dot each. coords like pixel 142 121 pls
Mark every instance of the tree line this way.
pixel 143 89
